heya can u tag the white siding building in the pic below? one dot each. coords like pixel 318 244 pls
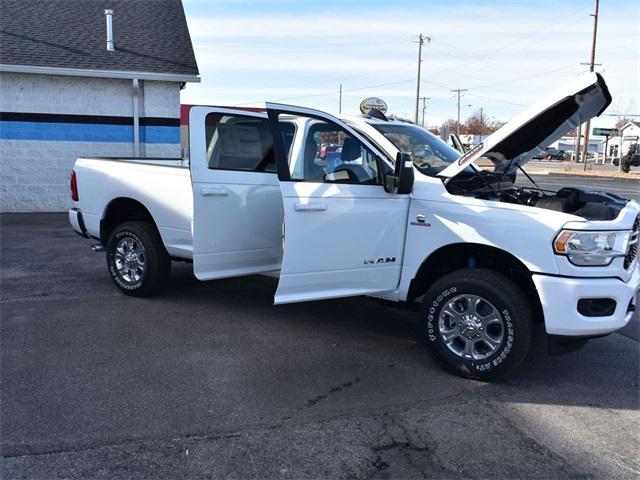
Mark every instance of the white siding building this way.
pixel 620 144
pixel 65 96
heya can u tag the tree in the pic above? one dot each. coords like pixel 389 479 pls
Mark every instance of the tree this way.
pixel 622 121
pixel 477 124
pixel 452 126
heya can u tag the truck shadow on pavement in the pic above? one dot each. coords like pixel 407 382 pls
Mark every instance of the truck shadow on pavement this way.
pixel 593 376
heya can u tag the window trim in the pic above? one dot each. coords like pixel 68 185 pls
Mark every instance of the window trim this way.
pixel 274 114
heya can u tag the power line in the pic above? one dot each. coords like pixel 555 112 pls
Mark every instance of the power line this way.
pixel 330 92
pixel 497 100
pixel 475 58
pixel 291 46
pixel 521 79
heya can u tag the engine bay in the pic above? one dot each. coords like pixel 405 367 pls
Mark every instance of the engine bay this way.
pixel 586 203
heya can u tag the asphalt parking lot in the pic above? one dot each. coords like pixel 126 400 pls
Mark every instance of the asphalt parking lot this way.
pixel 211 380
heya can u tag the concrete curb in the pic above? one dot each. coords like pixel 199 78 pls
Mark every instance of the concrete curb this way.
pixel 582 173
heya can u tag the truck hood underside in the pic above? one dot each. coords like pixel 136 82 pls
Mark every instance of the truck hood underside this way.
pixel 517 141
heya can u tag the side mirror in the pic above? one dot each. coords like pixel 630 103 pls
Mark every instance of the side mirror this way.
pixel 404 169
pixel 402 179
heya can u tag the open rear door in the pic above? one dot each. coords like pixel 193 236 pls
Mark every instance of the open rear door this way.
pixel 344 234
pixel 237 206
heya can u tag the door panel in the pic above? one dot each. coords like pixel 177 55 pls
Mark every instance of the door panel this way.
pixel 340 240
pixel 237 214
pixel 344 235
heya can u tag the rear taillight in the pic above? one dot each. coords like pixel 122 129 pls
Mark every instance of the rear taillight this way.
pixel 74 187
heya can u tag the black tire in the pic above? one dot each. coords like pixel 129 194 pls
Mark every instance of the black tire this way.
pixel 151 263
pixel 495 291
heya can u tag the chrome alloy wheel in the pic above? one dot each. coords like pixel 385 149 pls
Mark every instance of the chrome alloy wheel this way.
pixel 471 327
pixel 130 259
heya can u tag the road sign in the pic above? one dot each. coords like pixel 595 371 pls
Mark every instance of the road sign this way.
pixel 605 132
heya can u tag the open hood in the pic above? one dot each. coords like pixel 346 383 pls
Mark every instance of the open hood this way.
pixel 517 141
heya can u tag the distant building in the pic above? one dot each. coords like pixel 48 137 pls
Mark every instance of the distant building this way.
pixel 619 145
pixel 568 144
pixel 66 91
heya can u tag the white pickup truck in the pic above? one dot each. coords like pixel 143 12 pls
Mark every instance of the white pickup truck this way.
pixel 344 206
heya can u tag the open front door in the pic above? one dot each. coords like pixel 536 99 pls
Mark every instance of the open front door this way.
pixel 344 234
pixel 237 206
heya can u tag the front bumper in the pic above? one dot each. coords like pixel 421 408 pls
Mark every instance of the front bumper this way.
pixel 559 297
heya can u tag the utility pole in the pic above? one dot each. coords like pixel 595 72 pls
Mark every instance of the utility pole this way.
pixel 459 92
pixel 424 107
pixel 421 39
pixel 340 100
pixel 592 63
pixel 577 150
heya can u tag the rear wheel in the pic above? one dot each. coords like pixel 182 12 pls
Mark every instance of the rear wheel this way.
pixel 478 323
pixel 137 260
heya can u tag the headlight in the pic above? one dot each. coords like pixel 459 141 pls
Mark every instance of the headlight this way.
pixel 587 248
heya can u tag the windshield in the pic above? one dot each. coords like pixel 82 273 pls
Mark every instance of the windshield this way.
pixel 430 155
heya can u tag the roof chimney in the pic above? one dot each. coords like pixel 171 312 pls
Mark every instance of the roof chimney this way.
pixel 109 15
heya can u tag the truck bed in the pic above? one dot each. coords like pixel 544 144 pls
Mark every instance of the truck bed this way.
pixel 161 185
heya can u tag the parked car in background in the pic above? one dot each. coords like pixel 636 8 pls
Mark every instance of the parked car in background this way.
pixel 554 154
pixel 635 160
pixel 549 154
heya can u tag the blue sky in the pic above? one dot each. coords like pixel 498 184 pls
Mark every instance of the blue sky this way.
pixel 507 53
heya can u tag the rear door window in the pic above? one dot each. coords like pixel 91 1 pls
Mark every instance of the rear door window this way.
pixel 240 142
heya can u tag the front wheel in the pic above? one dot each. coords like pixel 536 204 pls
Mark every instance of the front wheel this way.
pixel 478 323
pixel 137 260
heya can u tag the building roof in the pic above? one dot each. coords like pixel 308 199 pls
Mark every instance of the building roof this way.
pixel 630 124
pixel 149 35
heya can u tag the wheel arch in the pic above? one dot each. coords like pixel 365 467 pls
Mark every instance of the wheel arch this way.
pixel 458 256
pixel 120 210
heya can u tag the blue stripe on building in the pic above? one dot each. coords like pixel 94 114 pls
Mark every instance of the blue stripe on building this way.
pixel 86 128
pixel 86 132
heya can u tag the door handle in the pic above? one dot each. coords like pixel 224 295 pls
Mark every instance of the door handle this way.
pixel 309 207
pixel 214 192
